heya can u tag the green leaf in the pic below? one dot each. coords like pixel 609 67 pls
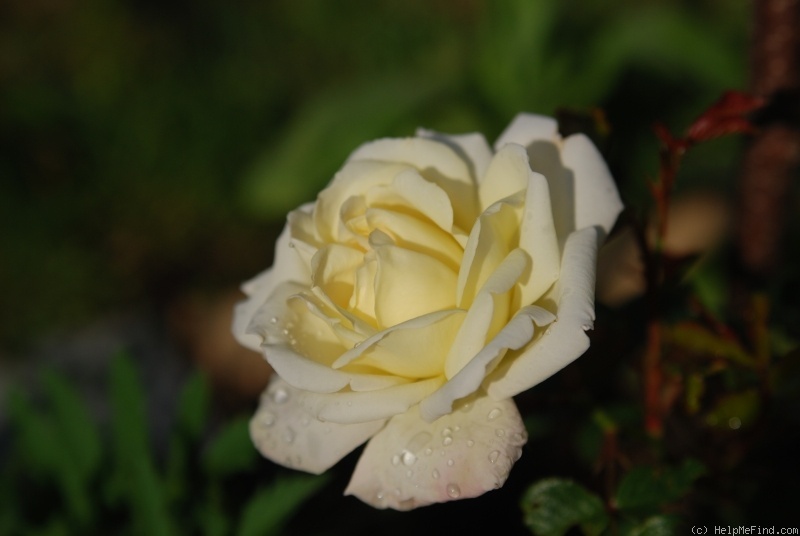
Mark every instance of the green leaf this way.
pixel 652 526
pixel 701 340
pixel 554 505
pixel 78 433
pixel 231 450
pixel 193 406
pixel 269 509
pixel 735 410
pixel 646 488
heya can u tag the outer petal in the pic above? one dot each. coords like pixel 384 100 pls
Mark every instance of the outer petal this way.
pixel 515 335
pixel 565 340
pixel 597 201
pixel 471 147
pixel 507 174
pixel 288 266
pixel 286 434
pixel 411 463
pixel 526 129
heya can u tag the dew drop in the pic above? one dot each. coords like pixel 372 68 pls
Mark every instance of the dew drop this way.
pixel 273 320
pixel 396 459
pixel 453 491
pixel 428 451
pixel 267 419
pixel 447 441
pixel 280 395
pixel 457 428
pixel 435 474
pixel 450 462
pixel 409 458
pixel 285 331
pixel 446 432
pixel 470 442
pixel 499 432
pixel 466 407
pixel 379 495
pixel 495 413
pixel 288 436
pixel 494 455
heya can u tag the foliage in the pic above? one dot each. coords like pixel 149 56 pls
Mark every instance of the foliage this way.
pixel 73 477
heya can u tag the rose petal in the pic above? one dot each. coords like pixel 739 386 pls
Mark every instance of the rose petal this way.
pixel 349 407
pixel 410 284
pixel 492 237
pixel 597 201
pixel 354 179
pixel 411 463
pixel 412 349
pixel 518 332
pixel 565 340
pixel 538 238
pixel 489 312
pixel 286 434
pixel 526 129
pixel 333 270
pixel 507 174
pixel 288 267
pixel 472 148
pixel 436 161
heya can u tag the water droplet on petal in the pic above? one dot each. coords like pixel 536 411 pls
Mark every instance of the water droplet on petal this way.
pixel 428 451
pixel 409 458
pixel 453 491
pixel 435 474
pixel 446 432
pixel 288 436
pixel 457 428
pixel 470 442
pixel 495 413
pixel 273 320
pixel 450 463
pixel 396 459
pixel 280 395
pixel 466 407
pixel 447 441
pixel 494 455
pixel 379 495
pixel 499 432
pixel 267 419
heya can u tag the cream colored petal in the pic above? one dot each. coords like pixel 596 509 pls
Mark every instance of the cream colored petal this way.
pixel 414 233
pixel 539 240
pixel 565 340
pixel 489 312
pixel 411 463
pixel 354 179
pixel 347 407
pixel 410 284
pixel 286 434
pixel 333 270
pixel 516 334
pixel 470 147
pixel 495 234
pixel 414 349
pixel 288 267
pixel 597 200
pixel 507 174
pixel 526 129
pixel 309 375
pixel 437 162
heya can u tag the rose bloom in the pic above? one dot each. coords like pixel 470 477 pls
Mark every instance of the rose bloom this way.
pixel 429 283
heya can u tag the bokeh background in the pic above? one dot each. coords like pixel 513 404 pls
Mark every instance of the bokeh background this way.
pixel 149 152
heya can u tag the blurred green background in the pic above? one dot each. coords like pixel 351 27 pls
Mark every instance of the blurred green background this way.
pixel 149 152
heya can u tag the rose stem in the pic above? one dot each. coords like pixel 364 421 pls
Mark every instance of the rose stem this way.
pixel 774 153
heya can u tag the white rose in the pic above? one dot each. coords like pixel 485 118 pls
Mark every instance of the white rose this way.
pixel 429 283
